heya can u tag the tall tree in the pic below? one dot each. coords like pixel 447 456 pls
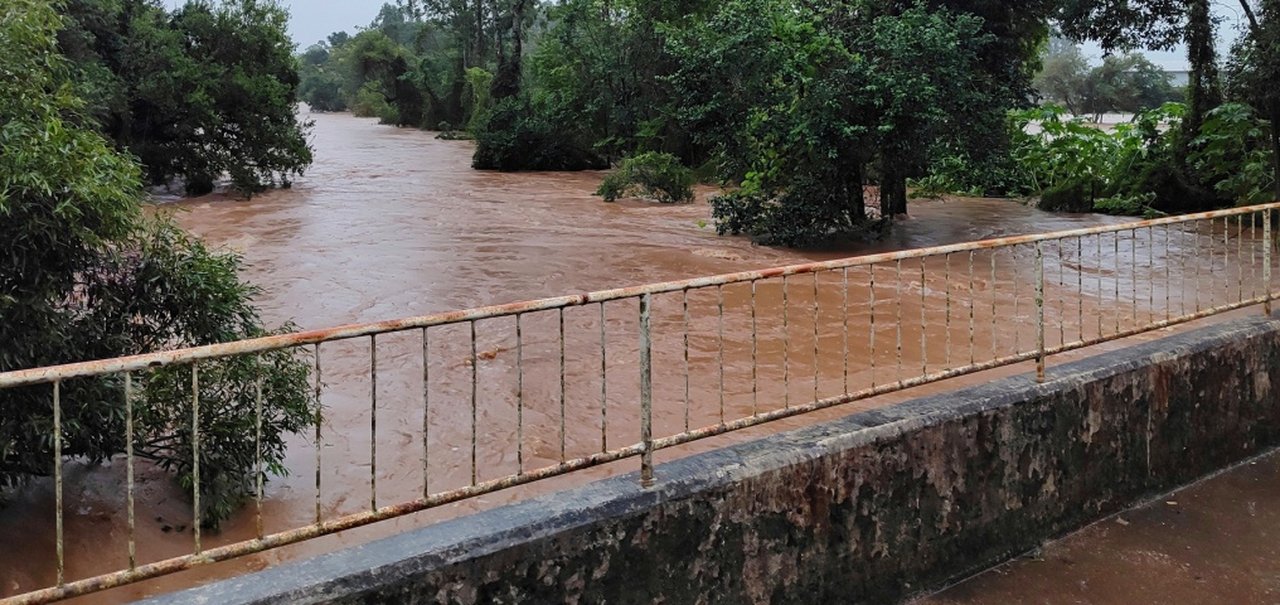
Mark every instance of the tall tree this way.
pixel 800 107
pixel 197 93
pixel 1255 70
pixel 1156 25
pixel 85 274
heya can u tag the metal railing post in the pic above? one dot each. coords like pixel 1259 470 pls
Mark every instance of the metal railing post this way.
pixel 1039 312
pixel 646 392
pixel 1266 260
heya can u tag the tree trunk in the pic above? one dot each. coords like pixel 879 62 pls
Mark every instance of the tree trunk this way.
pixel 893 193
pixel 855 197
pixel 1204 92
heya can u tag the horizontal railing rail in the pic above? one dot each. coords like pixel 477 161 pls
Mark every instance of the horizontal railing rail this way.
pixel 517 393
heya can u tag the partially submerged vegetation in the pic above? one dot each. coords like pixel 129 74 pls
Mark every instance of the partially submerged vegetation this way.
pixel 657 176
pixel 799 109
pixel 198 93
pixel 85 274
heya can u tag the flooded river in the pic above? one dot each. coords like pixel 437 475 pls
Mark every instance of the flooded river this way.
pixel 392 223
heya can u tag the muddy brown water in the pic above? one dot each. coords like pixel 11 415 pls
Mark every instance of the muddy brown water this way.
pixel 392 223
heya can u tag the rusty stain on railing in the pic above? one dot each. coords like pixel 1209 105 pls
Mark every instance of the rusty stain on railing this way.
pixel 646 326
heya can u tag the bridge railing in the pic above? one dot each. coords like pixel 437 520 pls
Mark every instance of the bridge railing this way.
pixel 490 398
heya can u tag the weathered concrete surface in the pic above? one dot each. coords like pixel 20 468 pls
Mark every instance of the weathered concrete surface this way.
pixel 1213 542
pixel 872 508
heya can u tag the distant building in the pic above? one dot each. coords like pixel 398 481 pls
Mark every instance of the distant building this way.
pixel 1179 78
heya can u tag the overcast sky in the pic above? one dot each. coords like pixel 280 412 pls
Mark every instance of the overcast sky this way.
pixel 313 20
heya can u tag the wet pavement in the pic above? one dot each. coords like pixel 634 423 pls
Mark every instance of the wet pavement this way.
pixel 1217 541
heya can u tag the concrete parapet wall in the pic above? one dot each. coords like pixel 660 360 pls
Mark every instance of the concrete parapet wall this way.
pixel 871 508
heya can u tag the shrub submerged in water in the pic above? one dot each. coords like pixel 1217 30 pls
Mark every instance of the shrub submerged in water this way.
pixel 86 274
pixel 658 176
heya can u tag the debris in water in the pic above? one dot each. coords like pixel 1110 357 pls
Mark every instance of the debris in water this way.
pixel 1121 521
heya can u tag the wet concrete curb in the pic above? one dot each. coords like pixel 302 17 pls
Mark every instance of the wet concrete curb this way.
pixel 871 508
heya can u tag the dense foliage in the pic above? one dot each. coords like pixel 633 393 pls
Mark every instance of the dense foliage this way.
pixel 195 93
pixel 428 64
pixel 1134 168
pixel 799 108
pixel 1126 83
pixel 1219 148
pixel 798 105
pixel 659 176
pixel 84 274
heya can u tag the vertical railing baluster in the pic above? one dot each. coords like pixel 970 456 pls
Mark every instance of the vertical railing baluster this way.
pixel 720 347
pixel 816 319
pixel 475 363
pixel 604 382
pixel 685 302
pixel 257 457
pixel 1040 348
pixel 844 310
pixel 946 279
pixel 1240 258
pixel 1184 253
pixel 128 462
pixel 786 348
pixel 1151 278
pixel 973 301
pixel 924 322
pixel 995 351
pixel 1116 237
pixel 755 380
pixel 57 480
pixel 563 416
pixel 604 439
pixel 1102 297
pixel 1266 261
pixel 1062 296
pixel 426 414
pixel 319 423
pixel 195 455
pixel 897 290
pixel 872 330
pixel 1168 280
pixel 646 392
pixel 1133 272
pixel 1017 317
pixel 1080 286
pixel 1253 255
pixel 373 421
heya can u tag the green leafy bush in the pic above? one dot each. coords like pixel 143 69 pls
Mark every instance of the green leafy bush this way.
pixel 85 274
pixel 1134 205
pixel 659 176
pixel 516 136
pixel 1072 196
pixel 803 216
pixel 1132 169
pixel 1234 152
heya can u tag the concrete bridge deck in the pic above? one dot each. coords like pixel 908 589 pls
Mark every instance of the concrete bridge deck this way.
pixel 1213 542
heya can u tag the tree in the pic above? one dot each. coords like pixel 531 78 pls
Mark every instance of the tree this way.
pixel 1064 76
pixel 197 93
pixel 84 274
pixel 1156 25
pixel 320 85
pixel 798 107
pixel 1254 70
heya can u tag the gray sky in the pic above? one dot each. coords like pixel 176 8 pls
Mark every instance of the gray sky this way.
pixel 313 20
